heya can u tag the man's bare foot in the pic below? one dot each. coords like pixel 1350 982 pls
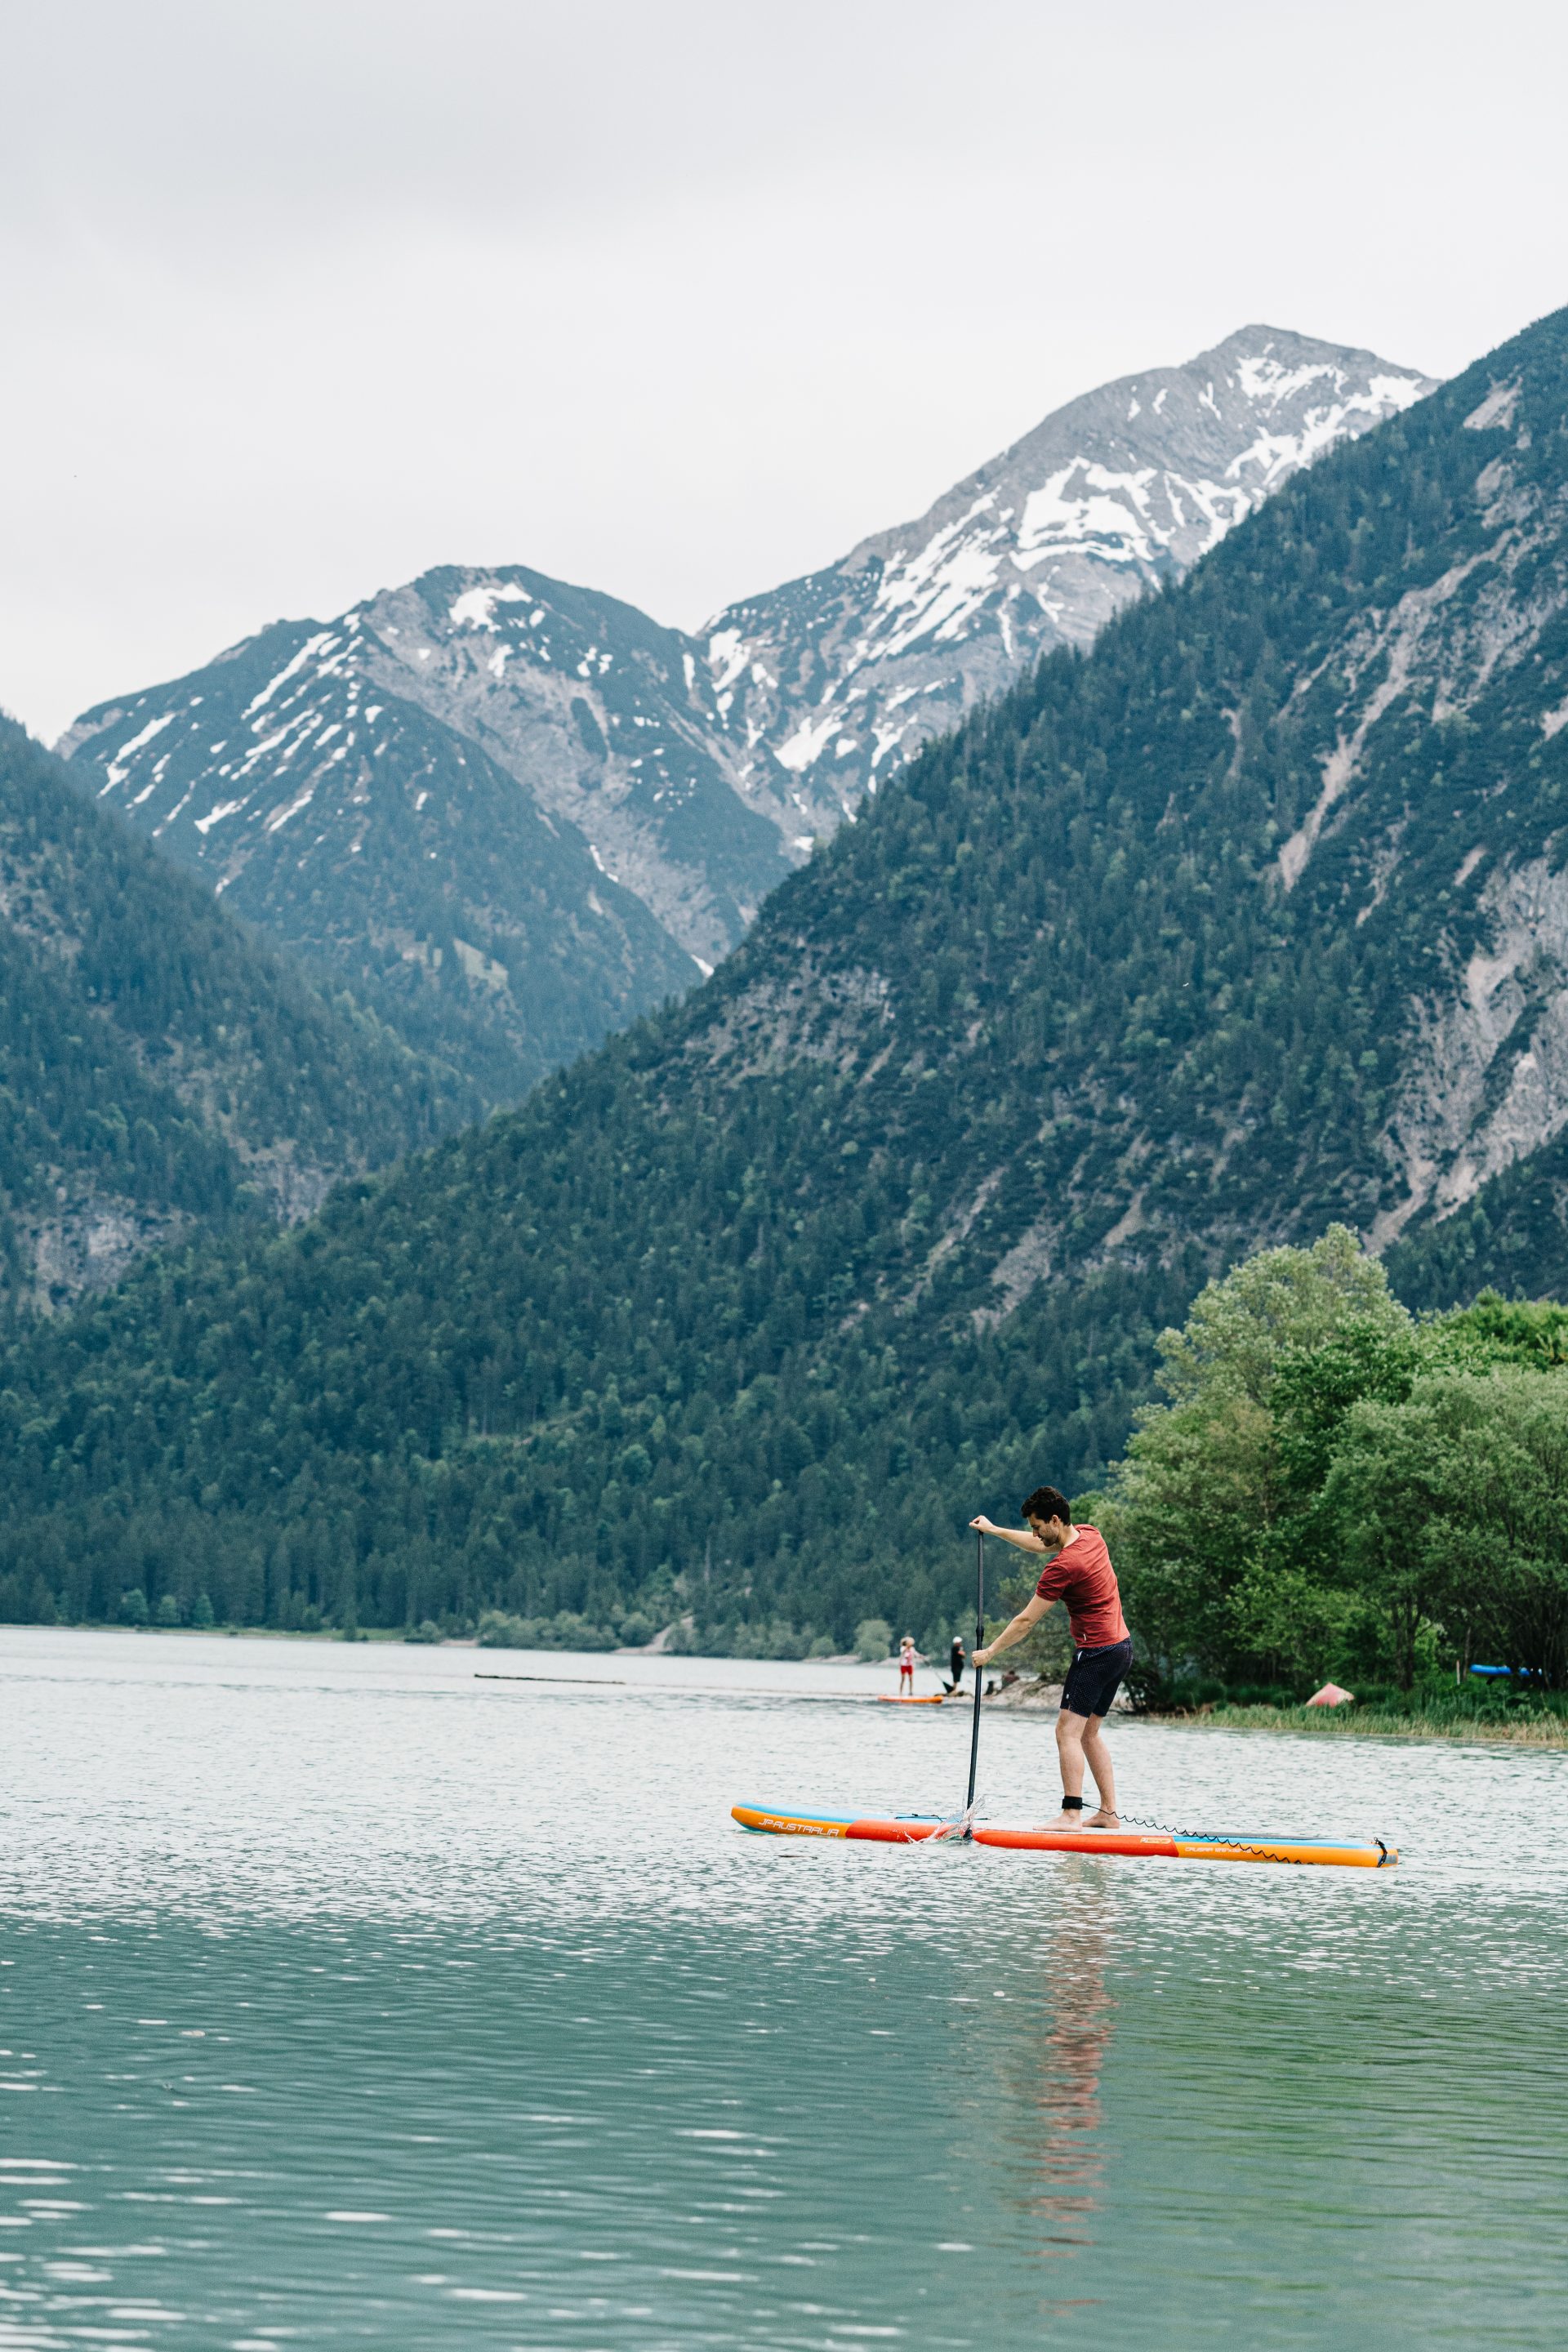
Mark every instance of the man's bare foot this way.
pixel 1103 1820
pixel 1063 1821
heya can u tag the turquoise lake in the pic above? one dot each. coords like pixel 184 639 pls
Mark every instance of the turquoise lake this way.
pixel 347 1999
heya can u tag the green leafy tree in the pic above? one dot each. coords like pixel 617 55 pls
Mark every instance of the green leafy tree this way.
pixel 1211 1509
pixel 1452 1511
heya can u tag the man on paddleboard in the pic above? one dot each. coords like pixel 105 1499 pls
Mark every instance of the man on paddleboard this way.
pixel 1077 1570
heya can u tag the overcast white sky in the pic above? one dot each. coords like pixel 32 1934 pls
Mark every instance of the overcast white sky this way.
pixel 676 297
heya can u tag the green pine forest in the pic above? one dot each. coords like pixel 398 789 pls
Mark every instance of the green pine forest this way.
pixel 740 1318
pixel 156 1061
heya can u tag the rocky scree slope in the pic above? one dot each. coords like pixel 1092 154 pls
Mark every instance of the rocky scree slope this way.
pixel 1150 963
pixel 833 680
pixel 160 1070
pixel 354 789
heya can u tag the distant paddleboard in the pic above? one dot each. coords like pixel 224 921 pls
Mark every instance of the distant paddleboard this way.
pixel 886 1699
pixel 913 1829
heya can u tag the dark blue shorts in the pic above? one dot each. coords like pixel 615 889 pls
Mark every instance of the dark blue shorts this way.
pixel 1094 1678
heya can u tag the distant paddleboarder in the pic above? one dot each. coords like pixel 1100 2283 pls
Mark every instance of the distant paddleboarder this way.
pixel 1077 1570
pixel 907 1666
pixel 955 1665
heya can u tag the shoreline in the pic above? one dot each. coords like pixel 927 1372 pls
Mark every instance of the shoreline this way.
pixel 1345 1723
pixel 1029 1695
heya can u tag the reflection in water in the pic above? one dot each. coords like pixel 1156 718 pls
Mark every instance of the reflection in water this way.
pixel 1071 2161
pixel 1054 2078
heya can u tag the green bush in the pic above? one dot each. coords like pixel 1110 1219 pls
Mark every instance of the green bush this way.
pixel 769 1638
pixel 873 1638
pixel 1153 1691
pixel 1308 1504
pixel 564 1631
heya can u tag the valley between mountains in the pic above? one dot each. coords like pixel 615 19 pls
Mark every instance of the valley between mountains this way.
pixel 1245 920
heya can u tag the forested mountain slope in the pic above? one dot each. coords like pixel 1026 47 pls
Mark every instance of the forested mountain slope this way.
pixel 303 775
pixel 1245 921
pixel 159 1068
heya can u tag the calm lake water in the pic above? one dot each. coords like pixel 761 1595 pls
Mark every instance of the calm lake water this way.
pixel 346 1998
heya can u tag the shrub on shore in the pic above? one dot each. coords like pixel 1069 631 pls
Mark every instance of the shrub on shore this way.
pixel 1337 1489
pixel 564 1631
pixel 773 1638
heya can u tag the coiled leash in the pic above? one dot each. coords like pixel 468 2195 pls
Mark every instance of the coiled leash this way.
pixel 1198 1837
pixel 1211 1837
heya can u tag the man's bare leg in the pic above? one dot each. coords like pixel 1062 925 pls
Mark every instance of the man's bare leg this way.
pixel 1096 1756
pixel 1080 1740
pixel 1070 1731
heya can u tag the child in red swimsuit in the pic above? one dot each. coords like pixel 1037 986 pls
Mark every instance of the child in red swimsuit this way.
pixel 907 1666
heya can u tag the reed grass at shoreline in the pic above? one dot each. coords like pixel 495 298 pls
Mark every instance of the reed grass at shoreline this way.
pixel 1361 1723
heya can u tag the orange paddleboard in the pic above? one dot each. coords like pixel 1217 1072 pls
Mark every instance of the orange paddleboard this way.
pixel 913 1829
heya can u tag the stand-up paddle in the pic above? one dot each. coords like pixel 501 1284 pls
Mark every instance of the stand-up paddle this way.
pixel 979 1678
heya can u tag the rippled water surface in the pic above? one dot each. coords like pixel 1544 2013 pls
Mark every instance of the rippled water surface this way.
pixel 349 1998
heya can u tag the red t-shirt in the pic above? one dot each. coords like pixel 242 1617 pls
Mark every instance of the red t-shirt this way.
pixel 1082 1576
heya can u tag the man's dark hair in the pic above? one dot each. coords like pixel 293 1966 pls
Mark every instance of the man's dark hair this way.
pixel 1047 1503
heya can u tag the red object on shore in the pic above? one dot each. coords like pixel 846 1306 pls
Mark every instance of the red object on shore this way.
pixel 1331 1695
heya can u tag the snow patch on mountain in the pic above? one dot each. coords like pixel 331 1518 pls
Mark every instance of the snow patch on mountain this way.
pixel 835 678
pixel 699 770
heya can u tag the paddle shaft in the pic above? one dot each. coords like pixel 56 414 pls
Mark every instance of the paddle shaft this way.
pixel 979 1670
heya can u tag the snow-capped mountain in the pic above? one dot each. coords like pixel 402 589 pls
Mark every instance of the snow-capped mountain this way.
pixel 514 814
pixel 305 775
pixel 606 718
pixel 829 682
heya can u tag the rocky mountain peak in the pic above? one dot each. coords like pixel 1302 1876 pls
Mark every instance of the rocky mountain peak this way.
pixel 512 813
pixel 834 680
